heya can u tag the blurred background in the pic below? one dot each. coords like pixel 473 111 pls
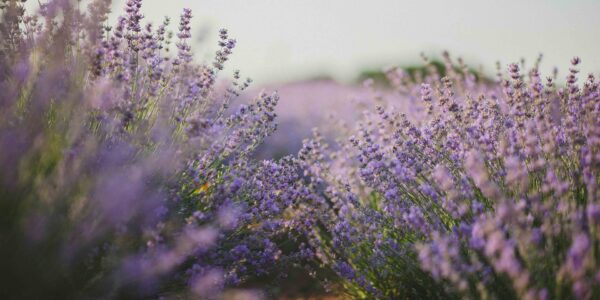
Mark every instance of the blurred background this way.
pixel 281 41
pixel 315 52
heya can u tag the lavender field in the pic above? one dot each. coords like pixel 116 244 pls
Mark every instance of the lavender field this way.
pixel 131 169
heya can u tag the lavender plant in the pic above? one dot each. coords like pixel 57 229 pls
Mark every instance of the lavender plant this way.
pixel 475 188
pixel 123 172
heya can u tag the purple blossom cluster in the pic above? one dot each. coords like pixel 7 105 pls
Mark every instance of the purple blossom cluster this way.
pixel 484 189
pixel 123 172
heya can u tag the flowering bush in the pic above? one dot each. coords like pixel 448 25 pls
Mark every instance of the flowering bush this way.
pixel 126 174
pixel 487 190
pixel 123 172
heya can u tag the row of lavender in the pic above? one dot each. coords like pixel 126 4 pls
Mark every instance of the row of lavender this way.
pixel 488 190
pixel 125 174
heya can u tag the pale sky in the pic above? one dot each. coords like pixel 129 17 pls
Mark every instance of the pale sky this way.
pixel 282 40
